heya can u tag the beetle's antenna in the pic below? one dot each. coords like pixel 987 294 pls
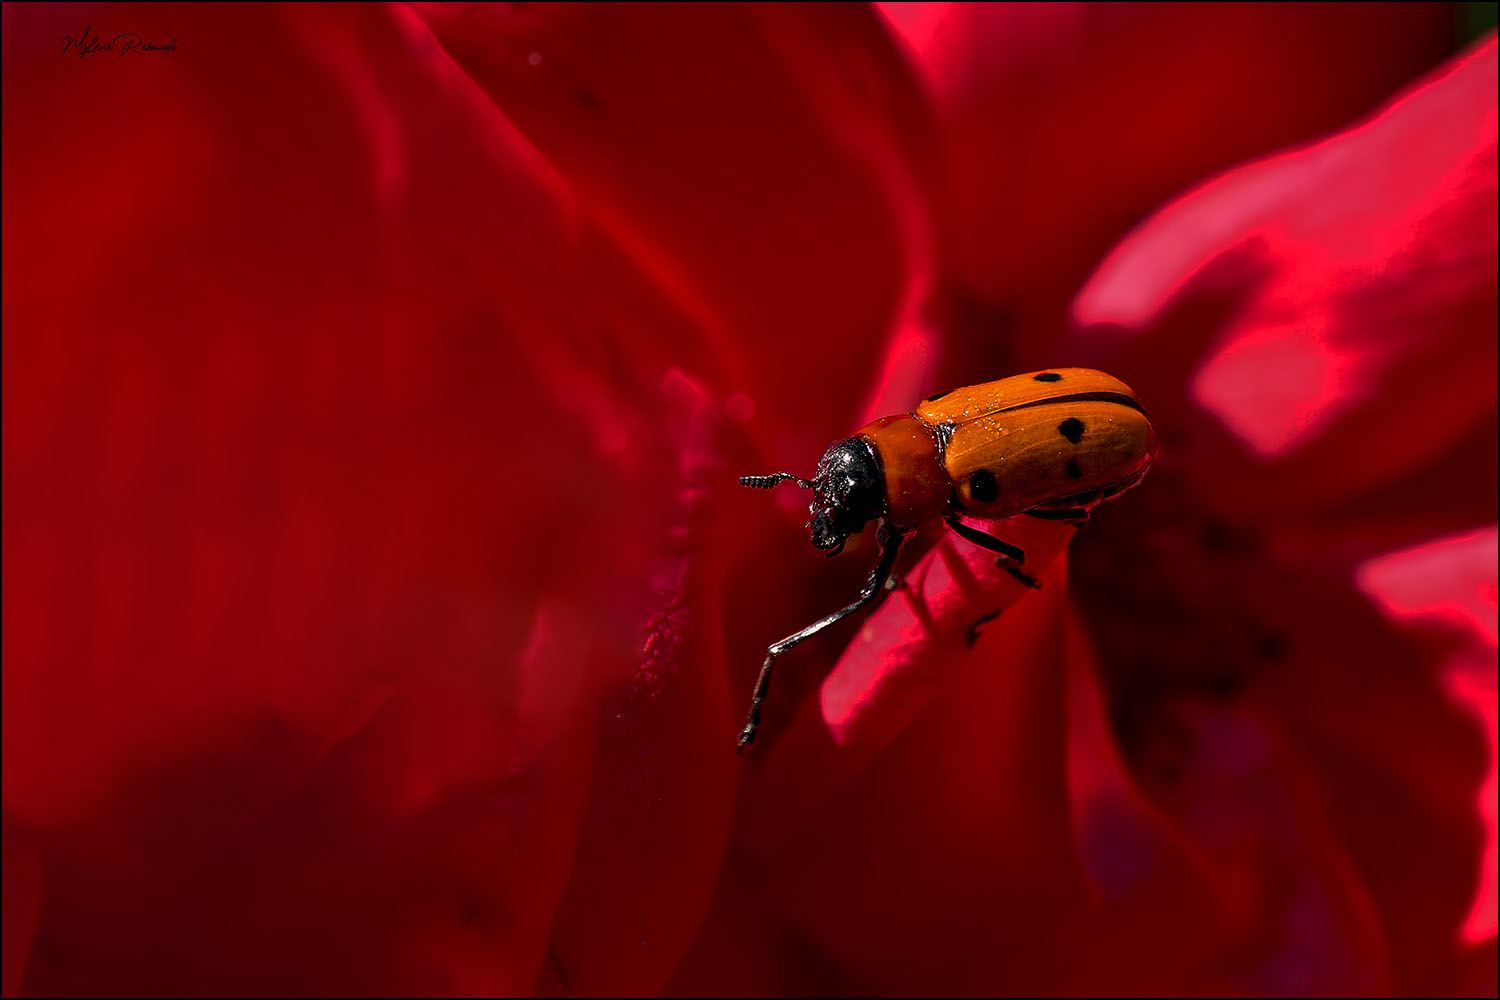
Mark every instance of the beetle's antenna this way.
pixel 774 480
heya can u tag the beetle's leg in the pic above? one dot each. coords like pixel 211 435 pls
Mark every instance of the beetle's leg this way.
pixel 972 636
pixel 1011 557
pixel 890 544
pixel 1076 516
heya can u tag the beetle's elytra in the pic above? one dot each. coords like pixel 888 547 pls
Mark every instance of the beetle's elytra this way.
pixel 1051 444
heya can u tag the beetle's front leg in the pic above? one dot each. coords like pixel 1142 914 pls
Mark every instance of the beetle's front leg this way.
pixel 890 545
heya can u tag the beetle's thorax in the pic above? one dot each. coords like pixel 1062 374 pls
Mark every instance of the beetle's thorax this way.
pixel 909 451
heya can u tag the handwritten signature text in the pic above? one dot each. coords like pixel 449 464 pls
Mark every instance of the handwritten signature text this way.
pixel 125 43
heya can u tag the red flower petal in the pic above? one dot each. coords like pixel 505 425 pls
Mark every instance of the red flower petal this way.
pixel 653 837
pixel 1358 288
pixel 25 887
pixel 908 652
pixel 1448 585
pixel 757 160
pixel 1062 125
pixel 1450 581
pixel 323 546
pixel 1397 767
pixel 1157 916
pixel 1207 625
pixel 888 861
pixel 971 831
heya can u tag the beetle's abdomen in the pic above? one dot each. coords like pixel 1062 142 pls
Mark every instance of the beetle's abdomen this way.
pixel 916 484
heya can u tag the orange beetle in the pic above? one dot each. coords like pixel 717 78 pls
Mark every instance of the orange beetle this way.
pixel 1051 444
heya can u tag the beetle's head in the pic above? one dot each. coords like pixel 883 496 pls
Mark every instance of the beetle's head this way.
pixel 848 492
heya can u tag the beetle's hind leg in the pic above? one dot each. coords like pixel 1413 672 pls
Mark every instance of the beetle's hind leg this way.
pixel 1011 557
pixel 972 636
pixel 890 545
pixel 1075 516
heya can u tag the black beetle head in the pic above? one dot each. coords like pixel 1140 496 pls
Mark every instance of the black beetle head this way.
pixel 848 491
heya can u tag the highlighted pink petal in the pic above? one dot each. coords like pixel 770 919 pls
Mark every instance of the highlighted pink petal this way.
pixel 1450 581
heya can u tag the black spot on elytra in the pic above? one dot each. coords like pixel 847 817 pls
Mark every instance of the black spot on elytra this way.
pixel 1048 377
pixel 1074 472
pixel 982 486
pixel 1072 429
pixel 936 396
pixel 588 99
